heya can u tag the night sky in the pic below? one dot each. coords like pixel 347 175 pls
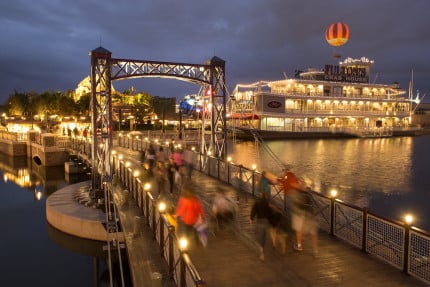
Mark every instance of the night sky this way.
pixel 45 43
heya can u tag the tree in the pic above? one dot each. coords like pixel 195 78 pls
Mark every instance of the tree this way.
pixel 17 104
pixel 83 104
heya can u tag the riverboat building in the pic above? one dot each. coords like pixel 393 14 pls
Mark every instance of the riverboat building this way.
pixel 336 99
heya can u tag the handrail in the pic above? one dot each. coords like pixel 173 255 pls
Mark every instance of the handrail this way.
pixel 350 223
pixel 181 268
pixel 401 245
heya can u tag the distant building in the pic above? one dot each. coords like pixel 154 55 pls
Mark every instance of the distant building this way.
pixel 84 88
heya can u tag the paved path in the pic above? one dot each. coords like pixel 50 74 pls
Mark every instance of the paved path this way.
pixel 231 258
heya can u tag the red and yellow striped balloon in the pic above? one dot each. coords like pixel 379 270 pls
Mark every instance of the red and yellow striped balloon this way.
pixel 337 34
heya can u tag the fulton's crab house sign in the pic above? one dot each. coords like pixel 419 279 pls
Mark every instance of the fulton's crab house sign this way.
pixel 346 74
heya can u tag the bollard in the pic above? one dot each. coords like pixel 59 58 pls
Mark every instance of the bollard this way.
pixel 156 279
pixel 136 226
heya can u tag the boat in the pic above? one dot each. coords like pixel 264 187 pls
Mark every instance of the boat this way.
pixel 337 101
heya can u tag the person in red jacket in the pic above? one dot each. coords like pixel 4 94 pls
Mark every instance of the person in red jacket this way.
pixel 290 183
pixel 189 212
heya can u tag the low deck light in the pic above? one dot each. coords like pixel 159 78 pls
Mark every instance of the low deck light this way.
pixel 409 219
pixel 147 186
pixel 162 207
pixel 333 193
pixel 183 244
pixel 254 166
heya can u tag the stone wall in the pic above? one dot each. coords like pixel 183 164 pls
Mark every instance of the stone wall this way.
pixel 12 148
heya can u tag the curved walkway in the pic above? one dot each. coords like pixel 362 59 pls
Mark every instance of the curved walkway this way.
pixel 66 210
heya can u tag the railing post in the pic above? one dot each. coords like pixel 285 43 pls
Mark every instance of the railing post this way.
pixel 154 220
pixel 332 215
pixel 406 248
pixel 134 187
pixel 161 234
pixel 182 281
pixel 170 251
pixel 364 233
pixel 228 172
pixel 147 206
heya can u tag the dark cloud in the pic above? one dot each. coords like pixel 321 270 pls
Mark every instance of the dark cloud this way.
pixel 45 45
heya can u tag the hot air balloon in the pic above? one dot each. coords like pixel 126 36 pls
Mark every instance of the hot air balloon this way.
pixel 337 34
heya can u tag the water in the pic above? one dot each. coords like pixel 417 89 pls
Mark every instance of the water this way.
pixel 388 175
pixel 32 252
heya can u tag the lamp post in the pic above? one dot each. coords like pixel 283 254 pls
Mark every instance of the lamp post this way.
pixel 408 225
pixel 333 194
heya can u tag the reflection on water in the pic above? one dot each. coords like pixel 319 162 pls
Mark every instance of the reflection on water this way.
pixel 362 170
pixel 30 246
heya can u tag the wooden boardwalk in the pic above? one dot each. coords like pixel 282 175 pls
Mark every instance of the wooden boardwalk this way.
pixel 231 257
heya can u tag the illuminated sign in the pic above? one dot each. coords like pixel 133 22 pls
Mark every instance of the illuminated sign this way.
pixel 272 104
pixel 345 74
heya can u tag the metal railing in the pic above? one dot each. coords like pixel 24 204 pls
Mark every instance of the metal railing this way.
pixel 13 136
pixel 399 244
pixel 181 269
pixel 403 246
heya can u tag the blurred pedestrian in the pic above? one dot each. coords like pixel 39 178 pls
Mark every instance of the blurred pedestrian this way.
pixel 171 169
pixel 178 158
pixel 224 208
pixel 289 182
pixel 188 156
pixel 277 234
pixel 261 212
pixel 161 154
pixel 147 173
pixel 189 212
pixel 160 175
pixel 171 147
pixel 303 219
pixel 266 180
pixel 150 155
